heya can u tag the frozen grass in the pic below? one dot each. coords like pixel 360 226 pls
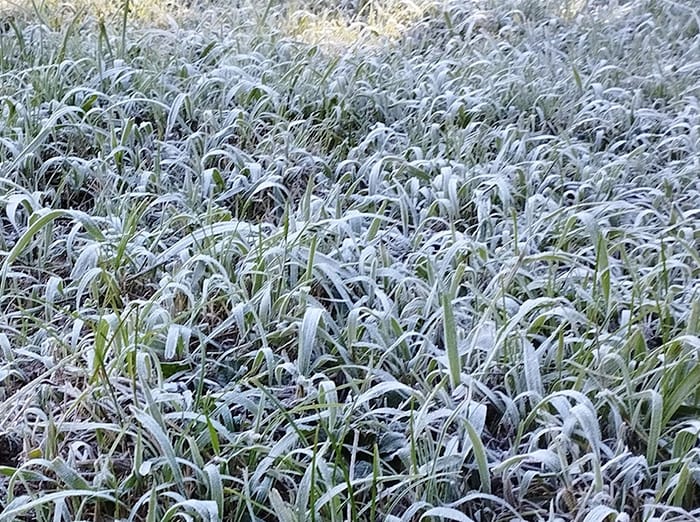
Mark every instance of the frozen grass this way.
pixel 392 261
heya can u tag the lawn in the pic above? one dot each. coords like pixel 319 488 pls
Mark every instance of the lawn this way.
pixel 392 260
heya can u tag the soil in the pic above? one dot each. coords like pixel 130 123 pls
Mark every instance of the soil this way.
pixel 10 449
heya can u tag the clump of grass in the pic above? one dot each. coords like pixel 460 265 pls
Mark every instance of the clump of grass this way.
pixel 55 13
pixel 249 275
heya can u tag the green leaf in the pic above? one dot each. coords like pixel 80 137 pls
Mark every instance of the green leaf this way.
pixel 307 338
pixel 163 441
pixel 450 334
pixel 676 397
pixel 480 456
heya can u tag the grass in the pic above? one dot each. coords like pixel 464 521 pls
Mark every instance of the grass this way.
pixel 384 260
